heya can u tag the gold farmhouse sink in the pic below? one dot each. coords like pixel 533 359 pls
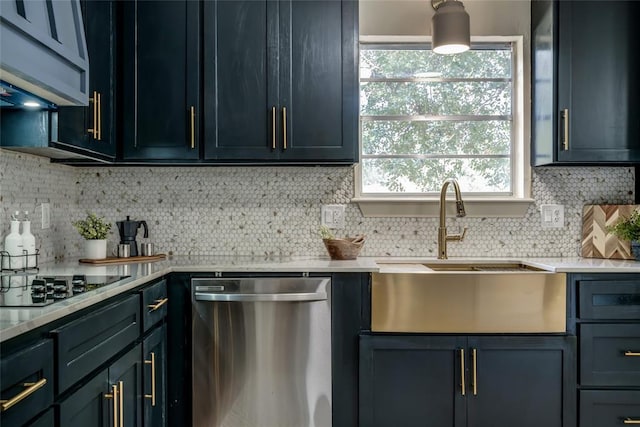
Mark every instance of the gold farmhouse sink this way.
pixel 480 266
pixel 469 298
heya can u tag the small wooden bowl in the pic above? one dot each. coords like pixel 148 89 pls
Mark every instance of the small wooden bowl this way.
pixel 344 249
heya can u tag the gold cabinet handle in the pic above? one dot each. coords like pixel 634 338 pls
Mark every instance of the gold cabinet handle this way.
pixel 152 362
pixel 99 116
pixel 631 421
pixel 474 358
pixel 114 395
pixel 463 387
pixel 193 127
pixel 29 390
pixel 284 128
pixel 121 395
pixel 94 130
pixel 273 128
pixel 630 353
pixel 565 121
pixel 159 303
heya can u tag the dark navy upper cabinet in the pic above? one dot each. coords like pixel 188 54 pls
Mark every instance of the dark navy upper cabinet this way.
pixel 584 82
pixel 161 80
pixel 90 130
pixel 280 81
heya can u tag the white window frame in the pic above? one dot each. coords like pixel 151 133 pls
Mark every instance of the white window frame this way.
pixel 514 205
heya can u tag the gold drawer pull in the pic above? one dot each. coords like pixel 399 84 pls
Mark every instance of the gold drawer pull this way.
pixel 114 395
pixel 94 130
pixel 121 393
pixel 474 356
pixel 630 353
pixel 462 373
pixel 273 128
pixel 193 126
pixel 284 127
pixel 29 390
pixel 159 303
pixel 631 421
pixel 99 116
pixel 152 362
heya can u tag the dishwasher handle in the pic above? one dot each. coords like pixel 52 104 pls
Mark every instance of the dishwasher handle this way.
pixel 255 297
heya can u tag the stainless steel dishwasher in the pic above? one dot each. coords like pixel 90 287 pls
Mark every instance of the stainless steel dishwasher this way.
pixel 261 352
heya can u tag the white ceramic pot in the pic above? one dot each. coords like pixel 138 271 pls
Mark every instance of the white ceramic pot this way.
pixel 95 249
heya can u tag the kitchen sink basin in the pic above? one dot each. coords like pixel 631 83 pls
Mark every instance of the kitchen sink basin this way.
pixel 469 298
pixel 474 266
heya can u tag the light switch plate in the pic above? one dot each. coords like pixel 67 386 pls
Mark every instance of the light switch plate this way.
pixel 552 216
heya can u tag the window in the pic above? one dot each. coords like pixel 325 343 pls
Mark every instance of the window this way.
pixel 426 117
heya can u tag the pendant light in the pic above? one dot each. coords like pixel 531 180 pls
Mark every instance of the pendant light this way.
pixel 450 27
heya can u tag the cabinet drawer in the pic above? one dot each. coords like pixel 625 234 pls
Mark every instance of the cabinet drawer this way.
pixel 609 299
pixel 610 355
pixel 29 370
pixel 600 408
pixel 86 343
pixel 154 304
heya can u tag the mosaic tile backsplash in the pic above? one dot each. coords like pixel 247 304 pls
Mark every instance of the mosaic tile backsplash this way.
pixel 275 211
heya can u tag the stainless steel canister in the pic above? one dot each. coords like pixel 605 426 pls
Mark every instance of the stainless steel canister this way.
pixel 147 249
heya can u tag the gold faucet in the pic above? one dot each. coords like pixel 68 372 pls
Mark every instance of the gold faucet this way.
pixel 442 230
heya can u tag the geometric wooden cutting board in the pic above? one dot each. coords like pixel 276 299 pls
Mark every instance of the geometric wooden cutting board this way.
pixel 597 242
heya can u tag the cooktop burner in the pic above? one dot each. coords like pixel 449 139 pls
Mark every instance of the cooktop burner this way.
pixel 39 291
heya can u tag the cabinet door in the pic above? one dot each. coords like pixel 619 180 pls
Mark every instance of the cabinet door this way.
pixel 597 81
pixel 89 406
pixel 91 129
pixel 126 374
pixel 240 80
pixel 85 343
pixel 154 349
pixel 521 381
pixel 161 80
pixel 26 382
pixel 411 381
pixel 318 80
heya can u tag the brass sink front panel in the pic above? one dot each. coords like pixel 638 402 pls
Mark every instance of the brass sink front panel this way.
pixel 469 303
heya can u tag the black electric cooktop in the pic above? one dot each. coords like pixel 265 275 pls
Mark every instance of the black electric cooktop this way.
pixel 39 291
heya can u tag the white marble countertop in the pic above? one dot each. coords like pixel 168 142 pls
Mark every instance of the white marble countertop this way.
pixel 16 321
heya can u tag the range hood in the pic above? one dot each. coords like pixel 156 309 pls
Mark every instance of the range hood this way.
pixel 43 49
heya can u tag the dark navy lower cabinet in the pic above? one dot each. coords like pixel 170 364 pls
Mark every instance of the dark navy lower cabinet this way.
pixel 608 326
pixel 45 420
pixel 154 348
pixel 91 405
pixel 26 383
pixel 125 379
pixel 459 381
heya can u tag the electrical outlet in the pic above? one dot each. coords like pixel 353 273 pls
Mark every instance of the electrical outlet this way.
pixel 46 216
pixel 332 216
pixel 552 216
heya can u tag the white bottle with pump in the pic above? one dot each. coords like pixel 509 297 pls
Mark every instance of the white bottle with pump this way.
pixel 28 242
pixel 13 246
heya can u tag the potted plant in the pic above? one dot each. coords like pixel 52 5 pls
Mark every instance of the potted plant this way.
pixel 95 230
pixel 629 229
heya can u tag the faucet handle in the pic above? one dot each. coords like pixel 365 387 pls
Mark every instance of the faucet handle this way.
pixel 458 237
pixel 464 233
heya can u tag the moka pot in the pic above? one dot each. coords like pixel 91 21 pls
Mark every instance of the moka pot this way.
pixel 128 230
